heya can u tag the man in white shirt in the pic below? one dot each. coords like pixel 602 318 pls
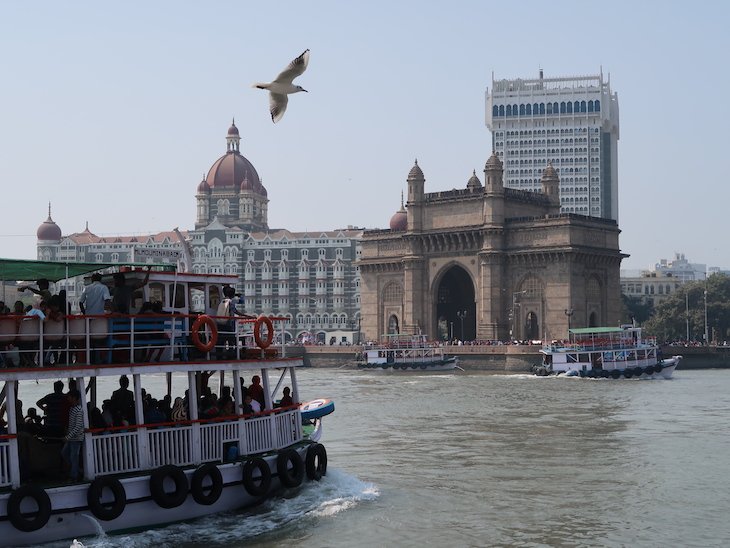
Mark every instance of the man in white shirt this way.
pixel 96 297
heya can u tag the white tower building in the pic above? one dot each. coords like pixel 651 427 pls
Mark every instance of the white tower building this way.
pixel 571 122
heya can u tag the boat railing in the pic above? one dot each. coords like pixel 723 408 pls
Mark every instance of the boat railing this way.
pixel 26 341
pixel 148 446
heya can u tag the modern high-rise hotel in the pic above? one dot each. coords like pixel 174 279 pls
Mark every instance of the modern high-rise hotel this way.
pixel 569 122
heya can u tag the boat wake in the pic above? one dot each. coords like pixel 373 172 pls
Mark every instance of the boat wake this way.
pixel 283 514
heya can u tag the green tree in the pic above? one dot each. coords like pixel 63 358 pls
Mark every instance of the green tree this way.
pixel 686 309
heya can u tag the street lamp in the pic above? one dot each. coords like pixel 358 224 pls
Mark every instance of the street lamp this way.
pixel 707 341
pixel 569 312
pixel 461 314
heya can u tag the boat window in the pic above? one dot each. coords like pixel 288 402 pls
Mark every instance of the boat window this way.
pixel 214 297
pixel 179 293
pixel 156 292
pixel 584 357
pixel 196 298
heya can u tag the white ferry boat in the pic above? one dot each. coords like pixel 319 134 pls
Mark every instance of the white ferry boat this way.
pixel 406 353
pixel 204 450
pixel 606 352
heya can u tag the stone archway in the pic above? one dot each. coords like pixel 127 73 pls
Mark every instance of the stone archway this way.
pixel 455 314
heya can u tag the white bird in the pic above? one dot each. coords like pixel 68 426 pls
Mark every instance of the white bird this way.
pixel 282 86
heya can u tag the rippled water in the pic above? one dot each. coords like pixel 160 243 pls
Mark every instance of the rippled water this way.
pixel 474 459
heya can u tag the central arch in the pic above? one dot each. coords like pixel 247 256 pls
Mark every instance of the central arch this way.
pixel 455 306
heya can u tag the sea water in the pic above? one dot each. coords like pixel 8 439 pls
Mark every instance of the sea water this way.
pixel 475 459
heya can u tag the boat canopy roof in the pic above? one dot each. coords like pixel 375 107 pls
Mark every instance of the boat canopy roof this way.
pixel 589 330
pixel 53 271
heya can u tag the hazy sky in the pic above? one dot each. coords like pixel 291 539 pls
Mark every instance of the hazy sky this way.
pixel 113 111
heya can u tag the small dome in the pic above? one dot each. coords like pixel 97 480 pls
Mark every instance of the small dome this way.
pixel 49 231
pixel 415 173
pixel 246 183
pixel 474 181
pixel 233 130
pixel 203 187
pixel 494 162
pixel 399 221
pixel 550 172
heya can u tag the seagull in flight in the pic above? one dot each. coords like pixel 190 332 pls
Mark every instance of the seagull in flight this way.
pixel 282 86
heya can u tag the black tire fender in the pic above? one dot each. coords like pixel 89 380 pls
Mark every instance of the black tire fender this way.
pixel 290 477
pixel 316 461
pixel 29 522
pixel 214 490
pixel 106 511
pixel 264 480
pixel 157 486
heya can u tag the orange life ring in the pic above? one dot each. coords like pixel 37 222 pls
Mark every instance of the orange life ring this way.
pixel 257 332
pixel 195 333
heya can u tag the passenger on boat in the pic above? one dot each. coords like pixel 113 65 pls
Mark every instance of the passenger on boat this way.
pixel 179 412
pixel 43 291
pixel 226 347
pixel 256 391
pixel 74 436
pixel 55 407
pixel 18 308
pixel 33 421
pixel 286 399
pixel 95 298
pixel 122 293
pixel 96 418
pixel 250 406
pixel 123 401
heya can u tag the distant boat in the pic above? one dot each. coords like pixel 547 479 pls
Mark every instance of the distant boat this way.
pixel 406 353
pixel 606 352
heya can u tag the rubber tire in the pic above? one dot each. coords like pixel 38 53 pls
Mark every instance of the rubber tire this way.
pixel 157 486
pixel 628 373
pixel 290 477
pixel 650 370
pixel 658 367
pixel 216 488
pixel 316 462
pixel 256 463
pixel 638 371
pixel 615 374
pixel 106 512
pixel 19 521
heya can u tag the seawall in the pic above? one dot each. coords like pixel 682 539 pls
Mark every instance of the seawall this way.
pixel 512 358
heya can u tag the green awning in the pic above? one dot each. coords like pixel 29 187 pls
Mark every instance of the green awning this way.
pixel 27 270
pixel 584 330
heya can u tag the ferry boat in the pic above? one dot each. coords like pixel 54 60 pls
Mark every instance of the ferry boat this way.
pixel 606 352
pixel 204 450
pixel 406 353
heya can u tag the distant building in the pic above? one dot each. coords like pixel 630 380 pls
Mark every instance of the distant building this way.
pixel 655 285
pixel 489 262
pixel 572 122
pixel 87 247
pixel 308 277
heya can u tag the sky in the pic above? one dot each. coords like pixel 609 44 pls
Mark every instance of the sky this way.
pixel 114 111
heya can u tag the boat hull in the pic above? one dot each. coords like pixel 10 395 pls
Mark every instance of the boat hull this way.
pixel 72 518
pixel 445 364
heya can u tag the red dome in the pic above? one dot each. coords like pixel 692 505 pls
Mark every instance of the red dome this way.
pixel 203 187
pixel 233 130
pixel 230 170
pixel 49 231
pixel 399 221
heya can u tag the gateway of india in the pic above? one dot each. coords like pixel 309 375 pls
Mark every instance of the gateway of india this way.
pixel 488 262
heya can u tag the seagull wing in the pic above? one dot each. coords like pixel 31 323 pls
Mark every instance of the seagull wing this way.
pixel 295 68
pixel 277 105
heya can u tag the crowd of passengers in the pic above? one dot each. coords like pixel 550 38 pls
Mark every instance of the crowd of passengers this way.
pixel 119 410
pixel 96 299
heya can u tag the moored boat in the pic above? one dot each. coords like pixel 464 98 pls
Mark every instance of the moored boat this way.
pixel 212 452
pixel 606 352
pixel 406 353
